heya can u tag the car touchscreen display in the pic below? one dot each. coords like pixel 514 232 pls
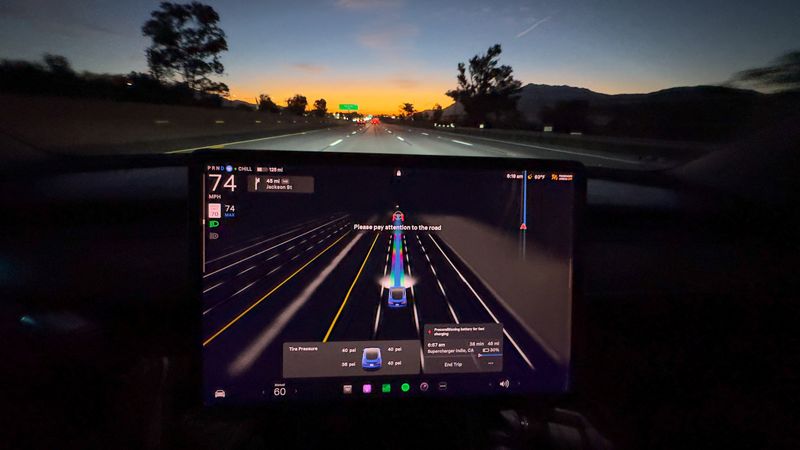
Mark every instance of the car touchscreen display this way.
pixel 340 278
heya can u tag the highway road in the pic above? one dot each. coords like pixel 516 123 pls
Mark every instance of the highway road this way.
pixel 397 139
pixel 320 280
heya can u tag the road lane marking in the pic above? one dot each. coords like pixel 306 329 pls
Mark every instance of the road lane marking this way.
pixel 246 270
pixel 214 286
pixel 336 142
pixel 272 238
pixel 354 132
pixel 278 286
pixel 400 139
pixel 347 296
pixel 275 270
pixel 461 142
pixel 441 288
pixel 380 297
pixel 556 150
pixel 491 314
pixel 185 150
pixel 425 134
pixel 243 289
pixel 257 346
pixel 414 304
pixel 273 256
pixel 271 248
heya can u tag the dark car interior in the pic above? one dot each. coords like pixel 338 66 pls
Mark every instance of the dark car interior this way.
pixel 682 341
pixel 277 225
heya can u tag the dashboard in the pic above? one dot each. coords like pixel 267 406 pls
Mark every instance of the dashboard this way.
pixel 676 293
pixel 374 277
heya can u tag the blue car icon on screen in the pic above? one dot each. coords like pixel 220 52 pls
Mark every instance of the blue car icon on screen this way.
pixel 371 359
pixel 397 297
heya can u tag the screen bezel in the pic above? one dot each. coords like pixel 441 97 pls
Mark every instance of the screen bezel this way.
pixel 200 158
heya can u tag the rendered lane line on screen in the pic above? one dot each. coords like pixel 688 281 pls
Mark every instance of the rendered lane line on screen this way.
pixel 380 297
pixel 245 271
pixel 257 302
pixel 272 238
pixel 347 296
pixel 214 286
pixel 460 142
pixel 266 250
pixel 243 289
pixel 416 312
pixel 185 150
pixel 413 299
pixel 252 245
pixel 226 300
pixel 253 351
pixel 436 276
pixel 491 314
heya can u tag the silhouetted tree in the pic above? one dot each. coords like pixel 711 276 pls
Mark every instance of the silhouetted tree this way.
pixel 782 75
pixel 58 65
pixel 488 88
pixel 187 40
pixel 320 107
pixel 265 104
pixel 437 113
pixel 407 110
pixel 297 104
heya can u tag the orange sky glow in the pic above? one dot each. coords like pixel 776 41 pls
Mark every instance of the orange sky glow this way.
pixel 371 97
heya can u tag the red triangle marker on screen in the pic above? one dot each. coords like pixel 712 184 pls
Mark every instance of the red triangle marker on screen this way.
pixel 523 227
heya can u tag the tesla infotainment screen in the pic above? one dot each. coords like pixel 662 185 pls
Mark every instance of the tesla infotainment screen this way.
pixel 381 277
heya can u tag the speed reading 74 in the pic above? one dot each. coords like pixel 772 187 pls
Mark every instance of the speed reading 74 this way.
pixel 230 182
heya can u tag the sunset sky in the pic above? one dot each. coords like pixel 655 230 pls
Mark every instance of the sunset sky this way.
pixel 381 53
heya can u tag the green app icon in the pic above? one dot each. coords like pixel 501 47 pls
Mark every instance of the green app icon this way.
pixel 213 223
pixel 386 388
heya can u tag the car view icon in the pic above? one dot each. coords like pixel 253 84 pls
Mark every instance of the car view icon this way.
pixel 397 297
pixel 371 359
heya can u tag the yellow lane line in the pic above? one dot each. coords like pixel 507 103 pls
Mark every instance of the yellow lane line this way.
pixel 214 336
pixel 338 313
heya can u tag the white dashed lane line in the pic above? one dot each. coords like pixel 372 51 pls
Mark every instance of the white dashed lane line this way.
pixel 212 287
pixel 245 271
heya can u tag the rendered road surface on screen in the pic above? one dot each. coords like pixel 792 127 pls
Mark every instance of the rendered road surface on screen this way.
pixel 352 281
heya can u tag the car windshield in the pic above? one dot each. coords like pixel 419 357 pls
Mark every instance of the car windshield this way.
pixel 627 84
pixel 372 354
pixel 397 293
